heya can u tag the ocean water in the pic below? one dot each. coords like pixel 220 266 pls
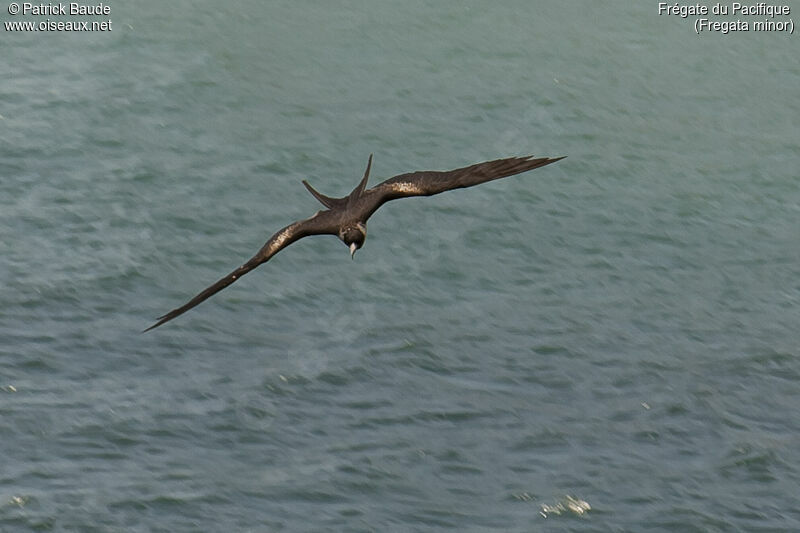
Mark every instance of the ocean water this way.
pixel 609 343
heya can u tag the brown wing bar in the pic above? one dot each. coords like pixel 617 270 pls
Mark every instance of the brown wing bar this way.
pixel 427 182
pixel 276 243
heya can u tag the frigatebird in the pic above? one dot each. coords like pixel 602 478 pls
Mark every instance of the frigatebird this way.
pixel 346 217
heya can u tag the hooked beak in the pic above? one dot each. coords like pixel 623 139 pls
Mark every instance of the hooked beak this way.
pixel 353 249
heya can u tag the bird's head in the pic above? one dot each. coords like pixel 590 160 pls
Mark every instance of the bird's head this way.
pixel 353 236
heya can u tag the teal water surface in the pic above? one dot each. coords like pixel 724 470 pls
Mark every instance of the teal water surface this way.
pixel 609 343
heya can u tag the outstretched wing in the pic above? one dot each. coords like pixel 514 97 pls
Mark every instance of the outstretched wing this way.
pixel 315 225
pixel 428 182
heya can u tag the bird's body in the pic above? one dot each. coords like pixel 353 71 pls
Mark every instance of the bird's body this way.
pixel 347 217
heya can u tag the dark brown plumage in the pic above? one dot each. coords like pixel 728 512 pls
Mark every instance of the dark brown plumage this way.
pixel 347 217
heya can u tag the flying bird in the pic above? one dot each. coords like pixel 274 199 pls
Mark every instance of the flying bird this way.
pixel 346 217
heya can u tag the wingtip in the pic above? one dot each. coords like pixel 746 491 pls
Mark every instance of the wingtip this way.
pixel 545 160
pixel 549 159
pixel 159 321
pixel 154 326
